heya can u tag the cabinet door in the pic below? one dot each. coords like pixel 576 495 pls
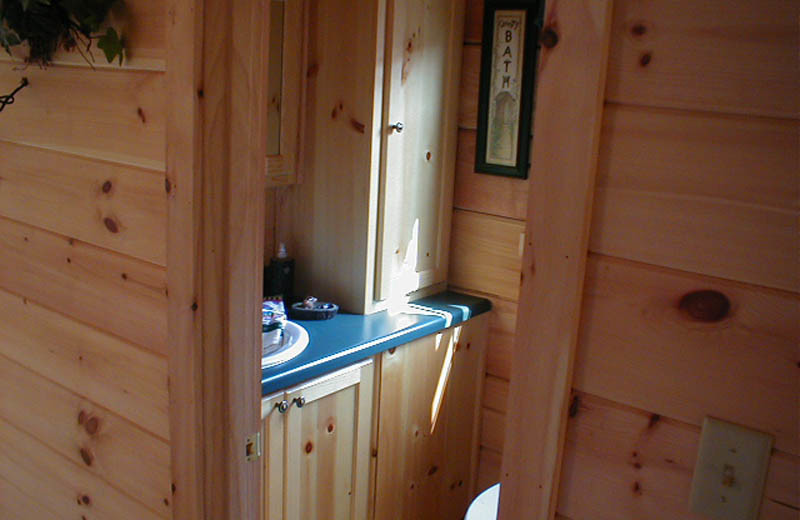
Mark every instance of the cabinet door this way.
pixel 327 447
pixel 273 437
pixel 428 425
pixel 423 63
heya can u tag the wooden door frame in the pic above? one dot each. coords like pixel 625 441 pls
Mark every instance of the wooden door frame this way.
pixel 216 129
pixel 569 107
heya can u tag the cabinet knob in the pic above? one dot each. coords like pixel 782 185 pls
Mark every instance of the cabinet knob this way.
pixel 398 127
pixel 299 401
pixel 283 406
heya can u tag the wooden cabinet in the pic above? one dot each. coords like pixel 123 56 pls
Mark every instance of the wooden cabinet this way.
pixel 428 424
pixel 332 451
pixel 372 215
pixel 317 443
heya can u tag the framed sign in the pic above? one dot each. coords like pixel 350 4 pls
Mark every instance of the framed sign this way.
pixel 505 102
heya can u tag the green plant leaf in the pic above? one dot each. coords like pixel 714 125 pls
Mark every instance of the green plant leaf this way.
pixel 27 4
pixel 112 45
pixel 8 38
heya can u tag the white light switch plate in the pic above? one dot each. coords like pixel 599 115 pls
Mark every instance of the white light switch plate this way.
pixel 730 472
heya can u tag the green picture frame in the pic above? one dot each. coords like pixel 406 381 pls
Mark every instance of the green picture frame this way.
pixel 509 52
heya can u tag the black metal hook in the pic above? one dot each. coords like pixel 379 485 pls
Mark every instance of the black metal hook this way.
pixel 9 99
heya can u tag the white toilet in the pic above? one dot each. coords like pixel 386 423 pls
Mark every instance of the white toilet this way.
pixel 485 505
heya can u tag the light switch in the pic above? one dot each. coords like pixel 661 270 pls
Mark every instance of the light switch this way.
pixel 730 471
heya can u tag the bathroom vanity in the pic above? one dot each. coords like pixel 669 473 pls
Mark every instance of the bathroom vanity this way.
pixel 379 417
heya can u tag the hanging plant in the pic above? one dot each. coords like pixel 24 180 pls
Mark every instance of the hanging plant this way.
pixel 49 25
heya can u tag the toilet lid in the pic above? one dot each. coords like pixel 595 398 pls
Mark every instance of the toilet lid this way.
pixel 484 507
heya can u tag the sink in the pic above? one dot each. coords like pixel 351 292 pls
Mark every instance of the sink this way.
pixel 295 341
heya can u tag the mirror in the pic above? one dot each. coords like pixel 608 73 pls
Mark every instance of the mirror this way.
pixel 285 88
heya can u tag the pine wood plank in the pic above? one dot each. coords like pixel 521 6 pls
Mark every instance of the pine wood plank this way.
pixel 502 325
pixel 493 427
pixel 103 443
pixel 428 426
pixel 611 448
pixel 111 115
pixel 737 57
pixel 109 205
pixel 470 81
pixel 417 165
pixel 488 468
pixel 143 24
pixel 85 283
pixel 742 159
pixel 123 378
pixel 20 506
pixel 710 236
pixel 495 394
pixel 71 490
pixel 332 240
pixel 485 253
pixel 491 194
pixel 569 101
pixel 473 23
pixel 637 347
pixel 184 162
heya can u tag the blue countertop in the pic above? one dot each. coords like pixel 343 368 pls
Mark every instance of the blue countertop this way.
pixel 349 338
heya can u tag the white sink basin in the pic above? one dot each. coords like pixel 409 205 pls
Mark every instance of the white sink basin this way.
pixel 295 341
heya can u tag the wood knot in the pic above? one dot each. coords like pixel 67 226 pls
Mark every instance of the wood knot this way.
pixel 167 185
pixel 433 470
pixel 638 29
pixel 107 187
pixel 141 115
pixel 309 447
pixel 111 224
pixel 357 125
pixel 708 306
pixel 312 71
pixel 637 488
pixel 645 59
pixel 87 456
pixel 85 500
pixel 548 38
pixel 92 425
pixel 330 427
pixel 574 406
pixel 654 418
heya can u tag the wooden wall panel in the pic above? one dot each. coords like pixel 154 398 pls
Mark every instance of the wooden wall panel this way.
pixel 111 115
pixel 61 485
pixel 473 22
pixel 486 253
pixel 637 347
pixel 106 204
pixel 482 193
pixel 488 468
pixel 468 94
pixel 715 237
pixel 747 160
pixel 20 506
pixel 678 189
pixel 105 444
pixel 638 465
pixel 736 57
pixel 118 294
pixel 125 379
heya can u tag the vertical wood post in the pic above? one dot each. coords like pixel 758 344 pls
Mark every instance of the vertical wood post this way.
pixel 569 104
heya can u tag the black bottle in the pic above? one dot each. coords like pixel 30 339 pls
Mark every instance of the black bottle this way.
pixel 279 277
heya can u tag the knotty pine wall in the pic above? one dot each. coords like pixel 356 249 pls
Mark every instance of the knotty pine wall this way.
pixel 83 306
pixel 697 188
